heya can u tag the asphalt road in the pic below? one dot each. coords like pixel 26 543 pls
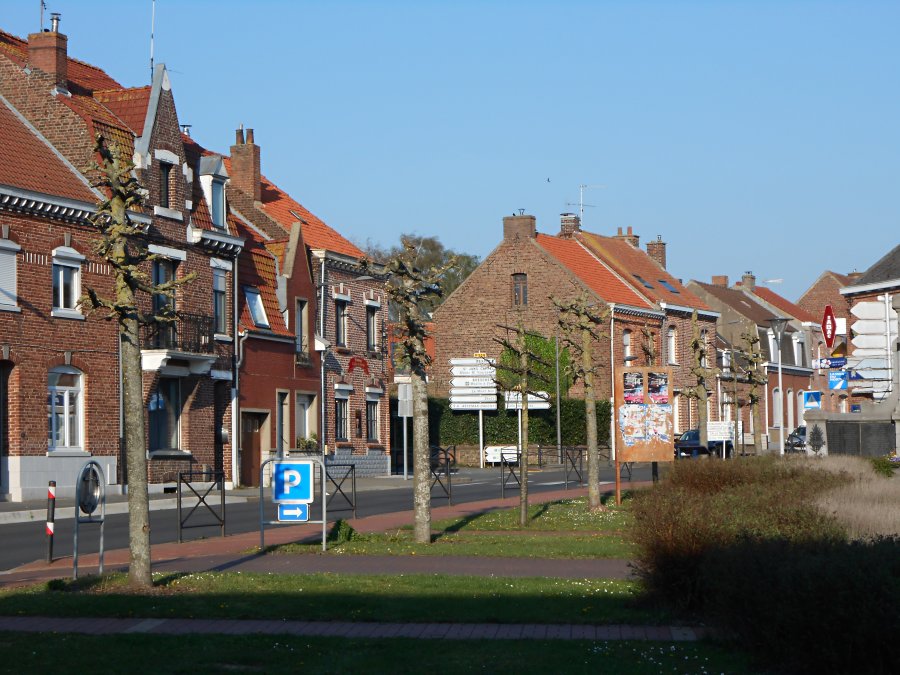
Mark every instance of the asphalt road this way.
pixel 26 542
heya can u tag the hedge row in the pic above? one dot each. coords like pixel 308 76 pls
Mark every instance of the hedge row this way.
pixel 450 427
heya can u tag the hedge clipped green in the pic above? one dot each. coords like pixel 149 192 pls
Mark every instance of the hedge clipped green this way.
pixel 449 427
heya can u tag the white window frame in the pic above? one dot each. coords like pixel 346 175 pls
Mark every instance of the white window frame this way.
pixel 220 293
pixel 341 311
pixel 626 345
pixel 66 259
pixel 9 260
pixel 777 405
pixel 373 420
pixel 672 345
pixel 73 438
pixel 256 307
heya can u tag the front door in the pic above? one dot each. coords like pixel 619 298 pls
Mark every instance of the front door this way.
pixel 251 424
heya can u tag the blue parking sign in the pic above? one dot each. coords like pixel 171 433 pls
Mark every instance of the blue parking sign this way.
pixel 292 482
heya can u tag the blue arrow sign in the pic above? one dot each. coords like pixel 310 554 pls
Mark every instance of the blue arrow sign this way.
pixel 293 512
pixel 292 482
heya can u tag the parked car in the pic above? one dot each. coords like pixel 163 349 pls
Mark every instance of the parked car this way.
pixel 796 440
pixel 688 445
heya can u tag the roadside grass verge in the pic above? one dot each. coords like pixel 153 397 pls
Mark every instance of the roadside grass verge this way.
pixel 749 547
pixel 325 597
pixel 564 529
pixel 275 654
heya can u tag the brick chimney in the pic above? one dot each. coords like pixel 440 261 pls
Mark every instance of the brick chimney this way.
pixel 720 280
pixel 657 250
pixel 630 237
pixel 519 227
pixel 748 281
pixel 245 175
pixel 569 224
pixel 47 51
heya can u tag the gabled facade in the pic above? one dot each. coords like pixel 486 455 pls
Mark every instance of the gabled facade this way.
pixel 187 367
pixel 741 313
pixel 332 310
pixel 515 282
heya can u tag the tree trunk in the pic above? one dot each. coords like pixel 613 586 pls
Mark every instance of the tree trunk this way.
pixel 421 459
pixel 590 415
pixel 702 412
pixel 139 573
pixel 757 428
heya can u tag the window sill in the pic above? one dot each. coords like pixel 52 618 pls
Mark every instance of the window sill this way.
pixel 374 445
pixel 10 308
pixel 166 212
pixel 343 444
pixel 342 350
pixel 68 453
pixel 60 313
pixel 221 337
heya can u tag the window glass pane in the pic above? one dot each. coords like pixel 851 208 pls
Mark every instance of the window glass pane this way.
pixel 255 305
pixel 340 419
pixel 372 420
pixel 165 170
pixel 340 323
pixel 218 203
pixel 371 327
pixel 73 419
pixel 219 302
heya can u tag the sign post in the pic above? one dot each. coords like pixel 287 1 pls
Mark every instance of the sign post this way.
pixel 293 490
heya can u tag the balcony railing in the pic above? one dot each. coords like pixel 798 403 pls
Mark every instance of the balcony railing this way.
pixel 188 333
pixel 302 359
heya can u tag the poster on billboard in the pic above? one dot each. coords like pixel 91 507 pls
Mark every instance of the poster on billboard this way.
pixel 644 417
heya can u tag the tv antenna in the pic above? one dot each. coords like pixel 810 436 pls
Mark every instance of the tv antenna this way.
pixel 152 25
pixel 581 204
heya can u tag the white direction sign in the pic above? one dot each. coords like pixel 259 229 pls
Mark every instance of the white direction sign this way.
pixel 472 371
pixel 541 401
pixel 868 327
pixel 470 391
pixel 474 398
pixel 473 382
pixel 475 361
pixel 871 310
pixel 473 406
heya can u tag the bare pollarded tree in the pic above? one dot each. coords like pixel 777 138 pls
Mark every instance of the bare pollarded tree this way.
pixel 413 292
pixel 580 323
pixel 704 374
pixel 122 244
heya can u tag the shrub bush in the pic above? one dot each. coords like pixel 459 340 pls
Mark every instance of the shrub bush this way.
pixel 743 545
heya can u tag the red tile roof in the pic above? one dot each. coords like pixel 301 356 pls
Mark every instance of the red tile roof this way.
pixel 257 268
pixel 129 105
pixel 27 162
pixel 82 76
pixel 783 304
pixel 279 206
pixel 594 274
pixel 632 262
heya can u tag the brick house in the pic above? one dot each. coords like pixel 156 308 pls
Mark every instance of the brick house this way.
pixel 742 312
pixel 187 367
pixel 330 306
pixel 517 279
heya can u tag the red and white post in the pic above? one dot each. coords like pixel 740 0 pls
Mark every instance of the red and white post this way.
pixel 51 516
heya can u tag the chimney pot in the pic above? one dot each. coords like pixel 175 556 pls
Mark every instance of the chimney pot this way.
pixel 748 281
pixel 245 161
pixel 48 52
pixel 239 136
pixel 519 227
pixel 569 224
pixel 250 136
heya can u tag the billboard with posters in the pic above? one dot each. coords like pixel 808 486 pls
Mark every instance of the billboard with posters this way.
pixel 644 418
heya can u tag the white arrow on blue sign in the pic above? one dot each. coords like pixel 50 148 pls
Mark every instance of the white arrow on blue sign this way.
pixel 293 512
pixel 292 482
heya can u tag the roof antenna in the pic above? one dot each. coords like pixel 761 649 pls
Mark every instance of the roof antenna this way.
pixel 152 25
pixel 43 7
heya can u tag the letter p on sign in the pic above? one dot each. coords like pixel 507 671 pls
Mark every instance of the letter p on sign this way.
pixel 292 482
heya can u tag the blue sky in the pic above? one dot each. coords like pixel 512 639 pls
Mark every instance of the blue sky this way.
pixel 760 136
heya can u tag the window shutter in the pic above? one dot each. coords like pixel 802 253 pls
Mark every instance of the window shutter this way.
pixel 8 278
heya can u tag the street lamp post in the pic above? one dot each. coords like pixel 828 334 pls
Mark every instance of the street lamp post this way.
pixel 778 324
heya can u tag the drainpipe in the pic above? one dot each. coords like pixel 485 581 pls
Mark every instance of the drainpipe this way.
pixel 235 379
pixel 322 356
pixel 887 342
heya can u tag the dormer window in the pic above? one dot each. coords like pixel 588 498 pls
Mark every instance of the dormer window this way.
pixel 218 202
pixel 255 305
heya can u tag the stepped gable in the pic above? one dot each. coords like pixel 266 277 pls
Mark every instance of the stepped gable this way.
pixel 784 304
pixel 28 163
pixel 632 262
pixel 590 271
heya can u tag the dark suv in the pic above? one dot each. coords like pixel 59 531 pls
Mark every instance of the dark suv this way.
pixel 688 445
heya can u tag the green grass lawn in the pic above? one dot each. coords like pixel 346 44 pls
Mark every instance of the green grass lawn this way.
pixel 163 655
pixel 558 530
pixel 412 598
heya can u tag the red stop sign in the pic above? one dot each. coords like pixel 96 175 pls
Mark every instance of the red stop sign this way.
pixel 829 326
